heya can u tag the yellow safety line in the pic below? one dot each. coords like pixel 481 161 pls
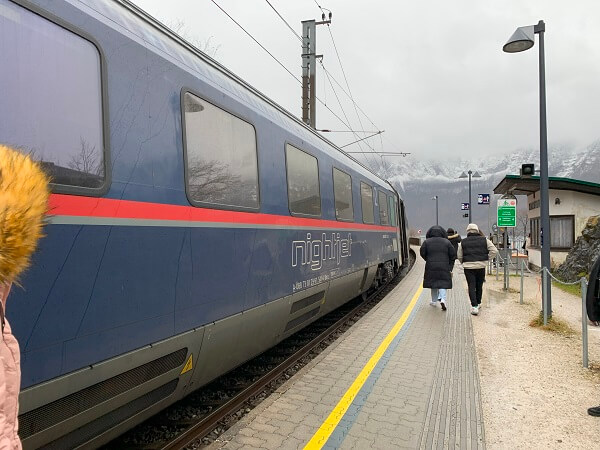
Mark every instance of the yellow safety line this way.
pixel 320 437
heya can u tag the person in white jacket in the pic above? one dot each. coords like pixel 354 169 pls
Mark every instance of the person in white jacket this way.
pixel 474 252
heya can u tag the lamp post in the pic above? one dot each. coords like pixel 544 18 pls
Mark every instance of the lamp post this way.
pixel 523 39
pixel 475 175
pixel 435 197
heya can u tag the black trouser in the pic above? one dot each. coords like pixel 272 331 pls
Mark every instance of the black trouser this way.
pixel 475 279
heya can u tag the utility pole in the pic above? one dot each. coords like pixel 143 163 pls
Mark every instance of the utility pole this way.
pixel 309 69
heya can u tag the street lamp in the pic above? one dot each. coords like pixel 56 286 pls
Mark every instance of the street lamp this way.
pixel 475 175
pixel 435 197
pixel 523 39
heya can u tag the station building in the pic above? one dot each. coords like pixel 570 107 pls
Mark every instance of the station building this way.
pixel 572 203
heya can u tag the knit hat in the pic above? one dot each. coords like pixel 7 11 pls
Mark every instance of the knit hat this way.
pixel 23 206
pixel 472 228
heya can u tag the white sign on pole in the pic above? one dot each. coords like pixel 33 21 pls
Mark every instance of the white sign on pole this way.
pixel 483 199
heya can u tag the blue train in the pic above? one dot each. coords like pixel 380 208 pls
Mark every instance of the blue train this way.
pixel 193 222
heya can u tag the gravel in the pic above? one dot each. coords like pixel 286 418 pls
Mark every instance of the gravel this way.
pixel 535 392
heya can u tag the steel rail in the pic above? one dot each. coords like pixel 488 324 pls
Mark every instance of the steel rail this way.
pixel 207 424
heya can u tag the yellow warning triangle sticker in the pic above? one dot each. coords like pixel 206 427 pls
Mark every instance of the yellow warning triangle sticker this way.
pixel 188 366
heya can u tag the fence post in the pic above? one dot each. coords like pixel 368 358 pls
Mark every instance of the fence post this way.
pixel 544 295
pixel 497 262
pixel 584 328
pixel 507 270
pixel 522 274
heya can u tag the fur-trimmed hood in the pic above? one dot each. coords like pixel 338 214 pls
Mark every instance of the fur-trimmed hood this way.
pixel 23 206
pixel 453 236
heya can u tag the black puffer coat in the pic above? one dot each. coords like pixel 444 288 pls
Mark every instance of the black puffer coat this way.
pixel 593 293
pixel 439 255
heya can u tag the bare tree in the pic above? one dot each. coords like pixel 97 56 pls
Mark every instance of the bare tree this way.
pixel 522 223
pixel 179 27
pixel 87 160
pixel 212 181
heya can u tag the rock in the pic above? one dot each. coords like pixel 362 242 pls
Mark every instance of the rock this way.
pixel 583 254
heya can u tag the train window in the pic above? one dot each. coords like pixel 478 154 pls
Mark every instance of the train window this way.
pixel 366 197
pixel 303 182
pixel 383 209
pixel 221 161
pixel 393 216
pixel 51 102
pixel 342 189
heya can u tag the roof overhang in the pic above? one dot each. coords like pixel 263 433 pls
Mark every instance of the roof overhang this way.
pixel 517 185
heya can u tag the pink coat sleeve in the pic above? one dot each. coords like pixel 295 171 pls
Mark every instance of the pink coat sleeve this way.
pixel 10 381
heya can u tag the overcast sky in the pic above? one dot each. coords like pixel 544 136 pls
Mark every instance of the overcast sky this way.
pixel 432 74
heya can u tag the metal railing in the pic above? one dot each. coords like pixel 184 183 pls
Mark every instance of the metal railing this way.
pixel 545 273
pixel 584 329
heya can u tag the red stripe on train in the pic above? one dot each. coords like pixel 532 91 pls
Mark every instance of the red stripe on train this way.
pixel 73 205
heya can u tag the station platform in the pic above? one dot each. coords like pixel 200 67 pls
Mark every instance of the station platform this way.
pixel 405 376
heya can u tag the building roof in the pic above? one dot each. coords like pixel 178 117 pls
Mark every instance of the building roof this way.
pixel 518 185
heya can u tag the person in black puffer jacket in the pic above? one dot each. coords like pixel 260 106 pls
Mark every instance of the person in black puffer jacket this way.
pixel 454 239
pixel 474 252
pixel 439 255
pixel 593 310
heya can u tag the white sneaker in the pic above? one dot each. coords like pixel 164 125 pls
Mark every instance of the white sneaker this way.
pixel 474 310
pixel 432 303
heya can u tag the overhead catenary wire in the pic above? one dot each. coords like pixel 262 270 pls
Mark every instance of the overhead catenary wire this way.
pixel 301 40
pixel 359 108
pixel 255 40
pixel 346 123
pixel 285 21
pixel 345 78
pixel 319 6
pixel 347 84
pixel 340 104
pixel 387 153
pixel 349 96
pixel 336 116
pixel 278 62
pixel 328 75
pixel 348 131
pixel 344 112
pixel 362 139
pixel 381 136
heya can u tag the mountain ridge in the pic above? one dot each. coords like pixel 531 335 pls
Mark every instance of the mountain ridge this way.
pixel 418 180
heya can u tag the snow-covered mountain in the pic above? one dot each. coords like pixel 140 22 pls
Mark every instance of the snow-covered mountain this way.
pixel 419 180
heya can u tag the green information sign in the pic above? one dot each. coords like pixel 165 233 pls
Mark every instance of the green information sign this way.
pixel 507 212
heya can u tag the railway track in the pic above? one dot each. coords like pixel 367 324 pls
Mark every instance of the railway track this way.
pixel 200 418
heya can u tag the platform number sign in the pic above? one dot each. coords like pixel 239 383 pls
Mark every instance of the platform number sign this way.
pixel 464 206
pixel 507 212
pixel 483 199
